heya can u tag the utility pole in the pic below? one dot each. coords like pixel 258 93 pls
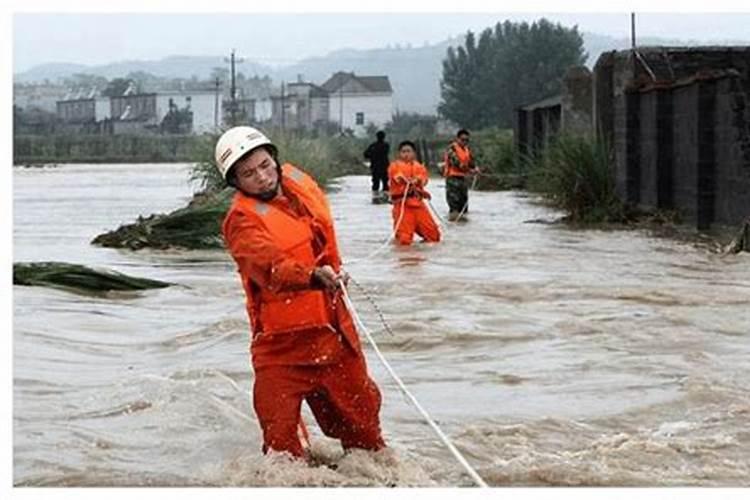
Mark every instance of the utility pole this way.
pixel 233 89
pixel 216 105
pixel 341 110
pixel 283 107
pixel 632 30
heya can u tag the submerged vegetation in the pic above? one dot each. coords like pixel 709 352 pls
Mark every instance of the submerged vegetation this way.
pixel 78 278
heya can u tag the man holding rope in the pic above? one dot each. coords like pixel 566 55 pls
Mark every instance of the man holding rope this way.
pixel 407 179
pixel 279 230
pixel 458 164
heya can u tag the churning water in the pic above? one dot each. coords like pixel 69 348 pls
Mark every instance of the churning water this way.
pixel 550 356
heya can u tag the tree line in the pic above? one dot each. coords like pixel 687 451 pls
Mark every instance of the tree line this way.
pixel 509 65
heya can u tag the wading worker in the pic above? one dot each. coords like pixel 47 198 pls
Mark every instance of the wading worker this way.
pixel 407 179
pixel 279 230
pixel 459 163
pixel 377 153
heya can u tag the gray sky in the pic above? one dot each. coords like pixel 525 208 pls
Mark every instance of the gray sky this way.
pixel 285 38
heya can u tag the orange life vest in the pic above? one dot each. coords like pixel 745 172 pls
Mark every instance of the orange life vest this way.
pixel 272 313
pixel 464 159
pixel 398 188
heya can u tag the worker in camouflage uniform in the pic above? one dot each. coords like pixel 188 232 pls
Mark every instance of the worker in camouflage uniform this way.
pixel 458 165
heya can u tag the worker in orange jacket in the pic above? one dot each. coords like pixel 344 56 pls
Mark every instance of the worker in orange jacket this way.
pixel 458 164
pixel 279 230
pixel 407 179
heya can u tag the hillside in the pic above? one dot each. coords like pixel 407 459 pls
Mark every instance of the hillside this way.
pixel 414 72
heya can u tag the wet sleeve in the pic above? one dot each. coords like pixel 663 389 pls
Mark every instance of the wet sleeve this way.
pixel 260 259
pixel 391 173
pixel 423 175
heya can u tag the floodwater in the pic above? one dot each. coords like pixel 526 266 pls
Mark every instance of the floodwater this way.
pixel 550 356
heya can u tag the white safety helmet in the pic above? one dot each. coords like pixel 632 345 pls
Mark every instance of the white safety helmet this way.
pixel 236 143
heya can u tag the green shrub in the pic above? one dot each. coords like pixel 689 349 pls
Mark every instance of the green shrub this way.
pixel 575 174
pixel 322 157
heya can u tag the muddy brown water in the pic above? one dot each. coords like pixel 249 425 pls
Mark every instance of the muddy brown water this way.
pixel 550 356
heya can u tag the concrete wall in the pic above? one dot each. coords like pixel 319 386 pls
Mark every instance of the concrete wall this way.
pixel 77 111
pixel 536 125
pixel 649 152
pixel 576 101
pixel 687 148
pixel 603 98
pixel 733 152
pixel 686 151
pixel 682 139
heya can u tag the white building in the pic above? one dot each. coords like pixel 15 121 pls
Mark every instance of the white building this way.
pixel 102 108
pixel 263 110
pixel 40 96
pixel 207 114
pixel 358 101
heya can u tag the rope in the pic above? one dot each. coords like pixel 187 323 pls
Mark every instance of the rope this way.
pixel 476 477
pixel 466 205
pixel 374 305
pixel 442 222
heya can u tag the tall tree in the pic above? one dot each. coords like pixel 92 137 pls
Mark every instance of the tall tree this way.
pixel 513 64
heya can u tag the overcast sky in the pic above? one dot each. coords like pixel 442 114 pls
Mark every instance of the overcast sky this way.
pixel 285 38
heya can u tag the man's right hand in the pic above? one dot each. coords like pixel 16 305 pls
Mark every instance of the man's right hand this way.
pixel 327 277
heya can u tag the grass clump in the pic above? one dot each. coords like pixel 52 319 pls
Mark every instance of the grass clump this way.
pixel 575 174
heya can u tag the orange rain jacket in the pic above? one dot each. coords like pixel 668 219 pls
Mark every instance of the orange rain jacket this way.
pixel 416 217
pixel 398 174
pixel 276 246
pixel 304 346
pixel 465 160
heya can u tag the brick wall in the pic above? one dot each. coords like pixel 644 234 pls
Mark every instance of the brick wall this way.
pixel 733 152
pixel 682 144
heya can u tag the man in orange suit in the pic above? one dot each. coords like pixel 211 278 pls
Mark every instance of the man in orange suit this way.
pixel 407 179
pixel 280 233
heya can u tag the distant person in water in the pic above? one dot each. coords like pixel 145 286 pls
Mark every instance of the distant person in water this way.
pixel 407 179
pixel 377 153
pixel 458 164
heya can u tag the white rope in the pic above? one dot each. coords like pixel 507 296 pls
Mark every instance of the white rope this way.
pixel 392 235
pixel 440 221
pixel 469 469
pixel 466 205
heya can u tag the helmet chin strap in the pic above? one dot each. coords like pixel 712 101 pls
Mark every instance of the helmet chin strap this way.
pixel 271 193
pixel 267 195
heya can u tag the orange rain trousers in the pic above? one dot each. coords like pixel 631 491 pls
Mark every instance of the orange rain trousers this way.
pixel 417 219
pixel 342 397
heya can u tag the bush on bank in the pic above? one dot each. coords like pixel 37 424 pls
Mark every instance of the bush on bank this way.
pixel 575 174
